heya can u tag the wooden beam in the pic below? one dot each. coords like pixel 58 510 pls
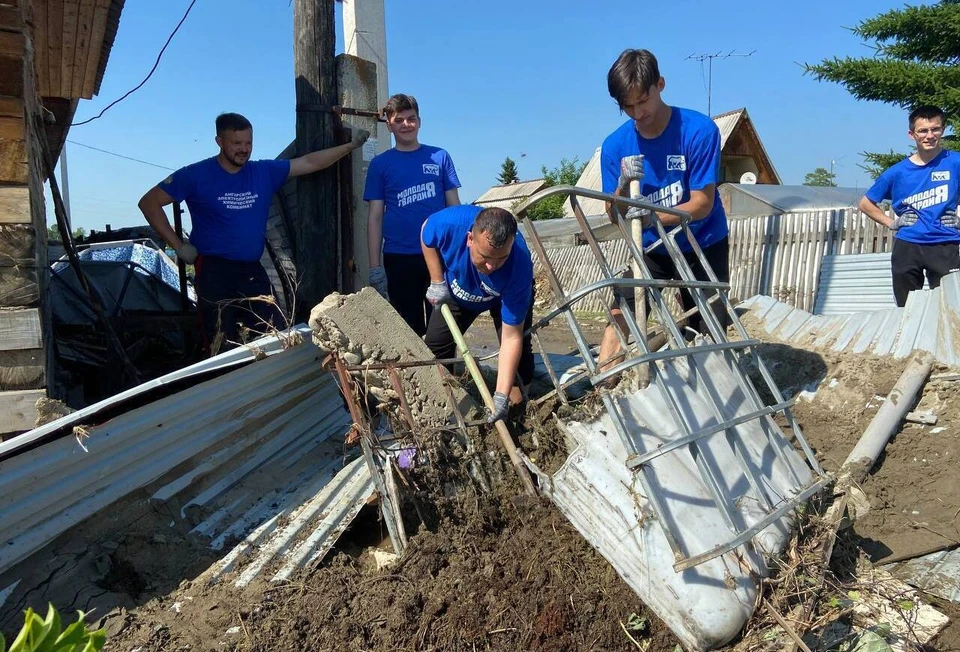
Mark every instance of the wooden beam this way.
pixel 15 205
pixel 23 369
pixel 11 128
pixel 68 65
pixel 11 18
pixel 18 410
pixel 84 45
pixel 54 46
pixel 18 287
pixel 97 35
pixel 20 329
pixel 40 39
pixel 11 107
pixel 11 45
pixel 17 242
pixel 14 167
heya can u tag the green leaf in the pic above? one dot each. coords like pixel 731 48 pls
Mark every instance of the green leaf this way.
pixel 677 648
pixel 870 642
pixel 637 623
pixel 95 641
pixel 853 595
pixel 906 605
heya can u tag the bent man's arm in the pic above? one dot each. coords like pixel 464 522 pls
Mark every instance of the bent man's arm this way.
pixel 375 209
pixel 451 197
pixel 151 205
pixel 874 212
pixel 324 158
pixel 511 345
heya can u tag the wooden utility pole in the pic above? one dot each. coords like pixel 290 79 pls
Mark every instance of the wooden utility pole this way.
pixel 317 247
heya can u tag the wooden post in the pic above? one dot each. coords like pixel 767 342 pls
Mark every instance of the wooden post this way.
pixel 365 36
pixel 318 249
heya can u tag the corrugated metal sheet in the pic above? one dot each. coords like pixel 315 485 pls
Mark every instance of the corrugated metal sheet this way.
pixel 511 192
pixel 590 179
pixel 938 574
pixel 785 199
pixel 576 267
pixel 566 231
pixel 929 322
pixel 726 123
pixel 240 453
pixel 854 283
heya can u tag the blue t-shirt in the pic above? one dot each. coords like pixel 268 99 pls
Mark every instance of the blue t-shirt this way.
pixel 228 211
pixel 929 189
pixel 685 157
pixel 411 185
pixel 512 283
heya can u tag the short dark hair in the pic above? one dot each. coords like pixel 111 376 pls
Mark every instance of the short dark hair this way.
pixel 927 112
pixel 498 224
pixel 232 122
pixel 398 103
pixel 633 70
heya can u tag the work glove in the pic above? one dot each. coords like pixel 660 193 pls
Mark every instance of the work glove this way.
pixel 949 219
pixel 187 253
pixel 438 293
pixel 500 407
pixel 377 279
pixel 359 137
pixel 631 169
pixel 637 213
pixel 907 217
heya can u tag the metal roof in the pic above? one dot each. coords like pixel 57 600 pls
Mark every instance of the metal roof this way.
pixel 255 453
pixel 727 122
pixel 786 199
pixel 854 283
pixel 576 267
pixel 510 192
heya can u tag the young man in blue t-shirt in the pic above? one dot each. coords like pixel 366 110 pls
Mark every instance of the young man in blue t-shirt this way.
pixel 404 186
pixel 229 199
pixel 478 261
pixel 923 190
pixel 675 155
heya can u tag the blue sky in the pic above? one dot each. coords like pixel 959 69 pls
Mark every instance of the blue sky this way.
pixel 494 79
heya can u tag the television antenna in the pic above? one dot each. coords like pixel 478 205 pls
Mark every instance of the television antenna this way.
pixel 709 59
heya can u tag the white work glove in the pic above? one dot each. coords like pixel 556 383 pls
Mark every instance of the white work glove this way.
pixel 949 219
pixel 500 407
pixel 359 137
pixel 631 169
pixel 438 293
pixel 637 213
pixel 908 217
pixel 377 279
pixel 187 253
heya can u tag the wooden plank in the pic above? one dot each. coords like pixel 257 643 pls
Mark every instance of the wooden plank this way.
pixel 68 64
pixel 97 34
pixel 13 162
pixel 11 45
pixel 11 18
pixel 14 205
pixel 17 245
pixel 18 410
pixel 20 329
pixel 23 369
pixel 84 32
pixel 11 107
pixel 54 46
pixel 19 287
pixel 40 37
pixel 11 128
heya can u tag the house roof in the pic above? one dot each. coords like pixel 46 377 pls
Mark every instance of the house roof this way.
pixel 786 199
pixel 505 196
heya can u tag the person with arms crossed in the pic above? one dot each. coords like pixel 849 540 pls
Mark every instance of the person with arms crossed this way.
pixel 923 190
pixel 478 261
pixel 404 186
pixel 229 198
pixel 675 155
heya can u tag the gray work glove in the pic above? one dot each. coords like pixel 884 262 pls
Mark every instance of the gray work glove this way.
pixel 378 281
pixel 187 253
pixel 908 217
pixel 438 293
pixel 359 137
pixel 500 406
pixel 631 169
pixel 949 219
pixel 637 213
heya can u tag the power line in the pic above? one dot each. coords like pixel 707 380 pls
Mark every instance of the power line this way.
pixel 709 59
pixel 149 74
pixel 129 158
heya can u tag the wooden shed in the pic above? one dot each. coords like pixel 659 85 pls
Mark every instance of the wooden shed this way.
pixel 52 54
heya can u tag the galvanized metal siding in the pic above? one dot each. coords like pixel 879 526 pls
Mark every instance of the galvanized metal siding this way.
pixel 510 192
pixel 854 283
pixel 575 267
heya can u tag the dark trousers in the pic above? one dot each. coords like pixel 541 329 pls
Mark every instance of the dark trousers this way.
pixel 662 267
pixel 910 261
pixel 407 281
pixel 224 289
pixel 440 340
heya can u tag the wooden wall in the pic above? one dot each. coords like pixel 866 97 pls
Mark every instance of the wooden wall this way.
pixel 23 242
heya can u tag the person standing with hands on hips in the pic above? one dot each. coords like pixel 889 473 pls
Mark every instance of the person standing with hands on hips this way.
pixel 923 189
pixel 478 261
pixel 404 186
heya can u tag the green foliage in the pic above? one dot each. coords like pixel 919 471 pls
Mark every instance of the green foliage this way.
pixel 54 234
pixel 637 623
pixel 917 61
pixel 44 635
pixel 565 174
pixel 508 172
pixel 820 177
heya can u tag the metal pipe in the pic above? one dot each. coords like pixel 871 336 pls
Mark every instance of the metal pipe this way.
pixel 505 438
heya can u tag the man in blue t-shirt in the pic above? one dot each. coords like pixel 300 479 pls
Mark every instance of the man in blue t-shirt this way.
pixel 404 186
pixel 675 155
pixel 478 262
pixel 229 199
pixel 923 190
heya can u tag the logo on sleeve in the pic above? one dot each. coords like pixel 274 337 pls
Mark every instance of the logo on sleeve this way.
pixel 940 175
pixel 677 162
pixel 431 168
